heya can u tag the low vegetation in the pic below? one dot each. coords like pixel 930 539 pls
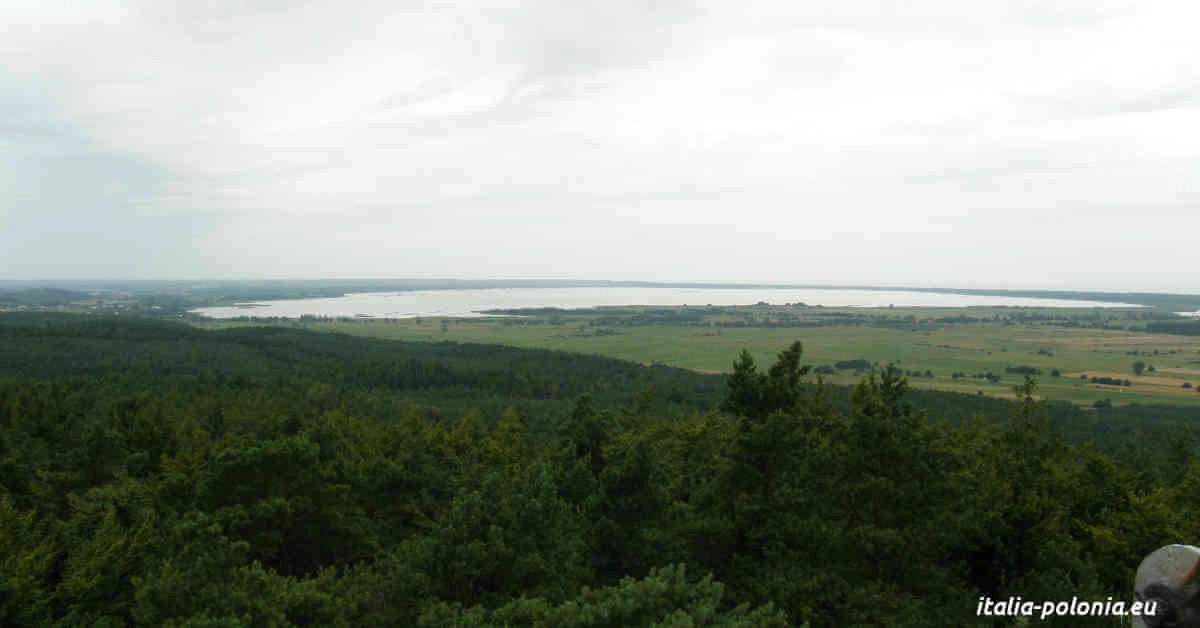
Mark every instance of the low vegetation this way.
pixel 990 353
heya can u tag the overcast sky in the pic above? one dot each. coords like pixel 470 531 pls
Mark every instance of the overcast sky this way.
pixel 966 144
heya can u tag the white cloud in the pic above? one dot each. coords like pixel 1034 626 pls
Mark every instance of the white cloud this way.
pixel 916 143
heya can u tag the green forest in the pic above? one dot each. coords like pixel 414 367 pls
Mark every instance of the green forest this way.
pixel 153 473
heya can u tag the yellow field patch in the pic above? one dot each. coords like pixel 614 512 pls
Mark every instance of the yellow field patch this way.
pixel 1147 380
pixel 1180 371
pixel 1145 383
pixel 1176 389
pixel 1126 340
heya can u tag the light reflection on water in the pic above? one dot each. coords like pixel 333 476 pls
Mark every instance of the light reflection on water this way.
pixel 472 303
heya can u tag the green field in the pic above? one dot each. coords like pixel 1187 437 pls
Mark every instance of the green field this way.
pixel 925 345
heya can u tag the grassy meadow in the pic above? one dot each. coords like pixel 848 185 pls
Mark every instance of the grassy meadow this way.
pixel 923 343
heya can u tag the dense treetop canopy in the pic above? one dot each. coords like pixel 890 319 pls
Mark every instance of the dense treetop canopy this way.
pixel 152 473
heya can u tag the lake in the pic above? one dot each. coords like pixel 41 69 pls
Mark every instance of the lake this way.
pixel 472 303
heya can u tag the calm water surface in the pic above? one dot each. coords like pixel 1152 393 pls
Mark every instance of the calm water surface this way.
pixel 468 303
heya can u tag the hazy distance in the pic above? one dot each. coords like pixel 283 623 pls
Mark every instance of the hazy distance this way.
pixel 994 144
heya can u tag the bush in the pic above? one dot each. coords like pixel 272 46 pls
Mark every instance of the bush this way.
pixel 848 365
pixel 1023 370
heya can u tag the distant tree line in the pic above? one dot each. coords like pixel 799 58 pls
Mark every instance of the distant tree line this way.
pixel 1110 381
pixel 1180 327
pixel 1023 370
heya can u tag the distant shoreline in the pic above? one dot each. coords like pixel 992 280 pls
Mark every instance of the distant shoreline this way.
pixel 229 292
pixel 471 302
